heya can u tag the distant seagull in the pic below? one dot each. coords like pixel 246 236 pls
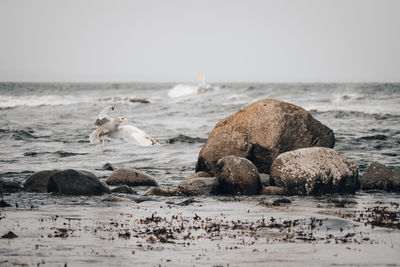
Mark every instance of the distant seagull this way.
pixel 111 128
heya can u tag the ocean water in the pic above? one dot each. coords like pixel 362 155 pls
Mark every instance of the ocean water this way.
pixel 46 126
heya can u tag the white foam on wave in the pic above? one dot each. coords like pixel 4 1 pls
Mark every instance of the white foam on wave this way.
pixel 61 100
pixel 181 90
pixel 35 101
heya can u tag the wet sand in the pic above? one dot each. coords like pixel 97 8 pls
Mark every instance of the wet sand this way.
pixel 54 230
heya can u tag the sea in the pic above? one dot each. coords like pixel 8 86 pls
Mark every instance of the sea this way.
pixel 47 125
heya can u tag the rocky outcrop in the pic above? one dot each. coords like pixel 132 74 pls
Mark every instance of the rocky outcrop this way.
pixel 195 186
pixel 260 132
pixel 72 182
pixel 9 186
pixel 378 176
pixel 313 171
pixel 130 177
pixel 237 176
pixel 38 181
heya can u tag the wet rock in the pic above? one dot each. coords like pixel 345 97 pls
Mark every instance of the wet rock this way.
pixel 4 204
pixel 200 174
pixel 186 139
pixel 9 186
pixel 264 178
pixel 130 177
pixel 378 176
pixel 73 182
pixel 115 199
pixel 156 191
pixel 38 181
pixel 197 186
pixel 108 167
pixel 123 190
pixel 273 191
pixel 260 132
pixel 313 171
pixel 9 235
pixel 237 176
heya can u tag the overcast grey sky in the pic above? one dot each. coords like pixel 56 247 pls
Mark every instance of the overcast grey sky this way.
pixel 176 40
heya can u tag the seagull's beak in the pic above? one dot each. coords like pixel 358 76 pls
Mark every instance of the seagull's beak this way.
pixel 128 120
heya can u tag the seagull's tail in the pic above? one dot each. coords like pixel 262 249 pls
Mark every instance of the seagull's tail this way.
pixel 93 137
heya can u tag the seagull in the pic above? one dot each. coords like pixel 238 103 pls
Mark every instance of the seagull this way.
pixel 111 128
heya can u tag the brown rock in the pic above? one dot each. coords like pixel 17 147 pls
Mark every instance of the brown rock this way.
pixel 378 176
pixel 260 132
pixel 131 178
pixel 313 171
pixel 156 191
pixel 237 176
pixel 195 186
pixel 273 191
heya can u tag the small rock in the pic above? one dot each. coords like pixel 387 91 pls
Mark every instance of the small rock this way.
pixel 314 171
pixel 9 186
pixel 273 191
pixel 156 191
pixel 73 182
pixel 123 190
pixel 115 199
pixel 108 167
pixel 278 202
pixel 237 176
pixel 38 181
pixel 378 176
pixel 131 178
pixel 4 204
pixel 9 235
pixel 197 186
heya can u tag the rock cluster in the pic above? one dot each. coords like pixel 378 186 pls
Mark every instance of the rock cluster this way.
pixel 260 132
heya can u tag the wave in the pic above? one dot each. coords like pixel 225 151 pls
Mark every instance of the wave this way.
pixel 60 153
pixel 381 137
pixel 186 139
pixel 181 90
pixel 9 102
pixel 357 114
pixel 20 134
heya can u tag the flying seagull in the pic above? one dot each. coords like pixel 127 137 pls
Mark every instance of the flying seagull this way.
pixel 111 128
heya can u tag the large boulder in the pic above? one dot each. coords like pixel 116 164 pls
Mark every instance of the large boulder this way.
pixel 73 182
pixel 197 186
pixel 378 176
pixel 260 132
pixel 237 176
pixel 314 171
pixel 38 181
pixel 131 178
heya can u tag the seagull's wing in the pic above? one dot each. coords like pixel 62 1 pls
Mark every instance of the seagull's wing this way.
pixel 134 135
pixel 101 118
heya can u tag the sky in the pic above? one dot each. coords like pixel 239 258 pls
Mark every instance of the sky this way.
pixel 178 40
